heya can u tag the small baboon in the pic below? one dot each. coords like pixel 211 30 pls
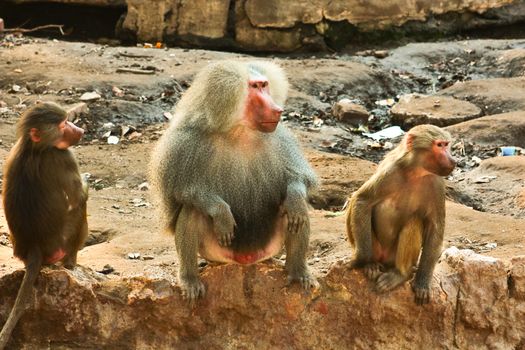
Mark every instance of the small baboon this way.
pixel 400 211
pixel 231 180
pixel 44 198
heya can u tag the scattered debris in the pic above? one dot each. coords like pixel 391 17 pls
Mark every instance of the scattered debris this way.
pixel 475 245
pixel 117 92
pixel 388 133
pixel 144 186
pixel 476 160
pixel 132 55
pixel 90 96
pixel 135 71
pixel 106 270
pixel 113 140
pixel 99 236
pixel 126 129
pixel 139 202
pixel 490 246
pixel 168 115
pixel 134 135
pixel 133 256
pixel 388 102
pixel 4 239
pixel 484 179
pixel 375 53
pixel 507 151
pixel 316 124
pixel 76 110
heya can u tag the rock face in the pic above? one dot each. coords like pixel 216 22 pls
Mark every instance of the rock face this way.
pixel 493 96
pixel 414 109
pixel 284 26
pixel 506 129
pixel 478 303
pixel 279 25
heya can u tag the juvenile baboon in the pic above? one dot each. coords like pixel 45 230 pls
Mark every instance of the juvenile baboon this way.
pixel 44 198
pixel 401 210
pixel 231 179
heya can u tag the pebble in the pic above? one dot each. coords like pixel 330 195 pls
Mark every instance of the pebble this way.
pixel 89 96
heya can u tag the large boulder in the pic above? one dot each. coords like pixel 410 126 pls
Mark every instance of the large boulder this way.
pixel 493 96
pixel 415 109
pixel 506 129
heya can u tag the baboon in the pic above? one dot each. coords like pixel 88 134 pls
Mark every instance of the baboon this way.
pixel 231 180
pixel 400 211
pixel 44 198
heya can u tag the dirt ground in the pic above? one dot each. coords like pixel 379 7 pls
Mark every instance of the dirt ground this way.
pixel 122 213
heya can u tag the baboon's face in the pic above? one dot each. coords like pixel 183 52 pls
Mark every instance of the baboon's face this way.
pixel 262 113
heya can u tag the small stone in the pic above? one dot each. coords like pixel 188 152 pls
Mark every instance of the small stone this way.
pixel 107 269
pixel 117 92
pixel 380 53
pixel 134 135
pixel 144 186
pixel 476 160
pixel 133 256
pixel 350 113
pixel 491 246
pixel 76 110
pixel 113 140
pixel 89 96
pixel 168 115
pixel 126 129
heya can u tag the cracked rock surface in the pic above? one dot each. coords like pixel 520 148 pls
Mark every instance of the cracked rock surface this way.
pixel 478 303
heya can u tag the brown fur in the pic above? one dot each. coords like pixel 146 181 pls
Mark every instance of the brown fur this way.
pixel 44 199
pixel 222 183
pixel 400 210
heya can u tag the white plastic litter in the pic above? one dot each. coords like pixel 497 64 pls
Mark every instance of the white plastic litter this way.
pixel 388 133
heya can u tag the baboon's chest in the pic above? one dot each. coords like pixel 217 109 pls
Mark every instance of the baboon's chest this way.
pixel 391 215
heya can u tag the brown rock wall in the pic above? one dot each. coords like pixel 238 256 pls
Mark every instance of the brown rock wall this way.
pixel 279 25
pixel 478 303
pixel 285 26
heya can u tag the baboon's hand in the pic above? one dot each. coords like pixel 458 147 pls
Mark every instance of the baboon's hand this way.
pixel 224 224
pixel 421 294
pixel 297 213
pixel 192 289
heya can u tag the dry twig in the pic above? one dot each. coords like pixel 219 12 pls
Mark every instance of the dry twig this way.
pixel 135 71
pixel 24 30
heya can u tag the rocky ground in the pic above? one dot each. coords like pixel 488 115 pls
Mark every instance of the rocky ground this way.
pixel 476 89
